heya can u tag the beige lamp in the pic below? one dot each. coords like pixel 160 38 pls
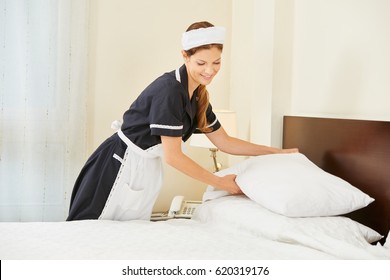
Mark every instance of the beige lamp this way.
pixel 228 121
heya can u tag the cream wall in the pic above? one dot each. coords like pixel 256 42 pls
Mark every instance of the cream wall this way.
pixel 341 59
pixel 131 44
pixel 261 67
pixel 252 68
pixel 325 58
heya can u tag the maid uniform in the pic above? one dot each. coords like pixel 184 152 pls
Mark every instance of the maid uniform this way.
pixel 123 177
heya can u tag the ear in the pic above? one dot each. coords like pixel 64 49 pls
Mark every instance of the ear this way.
pixel 185 56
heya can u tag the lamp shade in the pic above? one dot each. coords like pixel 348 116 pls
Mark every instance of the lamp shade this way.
pixel 228 121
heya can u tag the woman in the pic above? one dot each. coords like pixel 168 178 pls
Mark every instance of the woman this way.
pixel 122 178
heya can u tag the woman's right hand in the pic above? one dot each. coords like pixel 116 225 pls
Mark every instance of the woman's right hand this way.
pixel 228 183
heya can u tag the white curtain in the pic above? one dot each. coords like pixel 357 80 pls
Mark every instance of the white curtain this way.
pixel 43 91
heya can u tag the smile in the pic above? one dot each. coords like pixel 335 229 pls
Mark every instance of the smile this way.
pixel 207 77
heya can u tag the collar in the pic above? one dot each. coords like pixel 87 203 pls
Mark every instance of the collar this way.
pixel 182 77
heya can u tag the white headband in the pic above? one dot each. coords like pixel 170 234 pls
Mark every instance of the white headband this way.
pixel 203 36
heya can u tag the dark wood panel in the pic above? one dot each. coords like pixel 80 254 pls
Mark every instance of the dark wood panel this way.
pixel 356 150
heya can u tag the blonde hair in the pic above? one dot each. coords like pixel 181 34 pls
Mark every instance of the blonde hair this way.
pixel 203 95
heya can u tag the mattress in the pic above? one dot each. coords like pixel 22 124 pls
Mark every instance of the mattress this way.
pixel 231 227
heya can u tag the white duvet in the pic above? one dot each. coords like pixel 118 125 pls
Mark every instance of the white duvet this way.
pixel 231 227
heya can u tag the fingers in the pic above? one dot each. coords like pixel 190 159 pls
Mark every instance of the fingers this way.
pixel 230 184
pixel 293 150
pixel 231 176
pixel 237 192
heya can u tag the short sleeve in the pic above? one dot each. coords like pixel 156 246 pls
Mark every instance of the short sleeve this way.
pixel 166 112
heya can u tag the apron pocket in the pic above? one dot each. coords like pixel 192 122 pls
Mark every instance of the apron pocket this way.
pixel 133 198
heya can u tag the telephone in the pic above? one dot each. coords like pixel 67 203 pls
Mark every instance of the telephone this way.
pixel 181 208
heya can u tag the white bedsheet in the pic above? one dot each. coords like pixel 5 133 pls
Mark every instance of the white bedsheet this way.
pixel 174 239
pixel 207 236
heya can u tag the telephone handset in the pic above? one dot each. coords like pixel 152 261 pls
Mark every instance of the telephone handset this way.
pixel 181 208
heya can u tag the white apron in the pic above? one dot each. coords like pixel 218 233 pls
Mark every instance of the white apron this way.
pixel 137 183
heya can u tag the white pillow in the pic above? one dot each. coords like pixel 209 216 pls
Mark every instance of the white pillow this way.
pixel 241 212
pixel 338 236
pixel 291 185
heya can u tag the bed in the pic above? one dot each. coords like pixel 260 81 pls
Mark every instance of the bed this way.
pixel 355 150
pixel 343 215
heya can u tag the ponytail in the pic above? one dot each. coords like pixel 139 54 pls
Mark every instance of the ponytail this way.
pixel 203 103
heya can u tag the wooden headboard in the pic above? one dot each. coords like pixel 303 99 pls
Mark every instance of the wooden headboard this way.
pixel 356 150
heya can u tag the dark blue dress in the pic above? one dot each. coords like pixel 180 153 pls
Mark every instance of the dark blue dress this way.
pixel 162 109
